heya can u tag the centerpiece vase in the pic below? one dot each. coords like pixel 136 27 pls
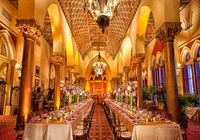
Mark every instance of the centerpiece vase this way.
pixel 70 99
pixel 131 102
pixel 126 99
pixel 77 98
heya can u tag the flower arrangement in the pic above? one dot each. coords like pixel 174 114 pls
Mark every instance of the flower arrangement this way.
pixel 132 88
pixel 74 93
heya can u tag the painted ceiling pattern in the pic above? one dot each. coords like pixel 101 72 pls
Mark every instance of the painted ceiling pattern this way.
pixel 87 33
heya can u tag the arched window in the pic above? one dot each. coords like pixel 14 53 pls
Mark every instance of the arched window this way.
pixel 144 78
pixel 154 74
pixel 161 72
pixel 188 76
pixel 197 68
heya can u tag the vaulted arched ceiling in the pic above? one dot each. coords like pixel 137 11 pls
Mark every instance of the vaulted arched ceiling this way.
pixel 87 34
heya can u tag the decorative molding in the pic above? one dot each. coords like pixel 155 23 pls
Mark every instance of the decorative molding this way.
pixel 29 28
pixel 139 58
pixel 126 69
pixel 58 58
pixel 86 31
pixel 168 31
pixel 6 14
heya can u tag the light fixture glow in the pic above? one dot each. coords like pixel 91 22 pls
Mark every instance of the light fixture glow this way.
pixel 102 10
pixel 99 66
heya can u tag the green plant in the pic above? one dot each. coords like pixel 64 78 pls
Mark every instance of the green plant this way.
pixel 152 90
pixel 146 94
pixel 3 81
pixel 188 100
pixel 38 97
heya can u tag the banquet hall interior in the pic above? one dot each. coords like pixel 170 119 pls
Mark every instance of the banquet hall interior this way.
pixel 99 69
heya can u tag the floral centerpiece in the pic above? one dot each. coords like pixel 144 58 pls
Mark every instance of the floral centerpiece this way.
pixel 131 92
pixel 74 93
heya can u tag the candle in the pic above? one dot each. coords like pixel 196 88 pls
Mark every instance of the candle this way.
pixel 47 119
pixel 61 119
pixel 154 119
pixel 146 119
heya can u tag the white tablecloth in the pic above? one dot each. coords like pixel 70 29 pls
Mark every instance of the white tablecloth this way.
pixel 157 132
pixel 35 132
pixel 48 132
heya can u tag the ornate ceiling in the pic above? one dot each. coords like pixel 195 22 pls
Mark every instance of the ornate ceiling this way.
pixel 150 30
pixel 14 3
pixel 87 33
pixel 47 30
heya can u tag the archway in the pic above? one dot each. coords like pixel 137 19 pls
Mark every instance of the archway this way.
pixel 7 66
pixel 145 29
pixel 97 85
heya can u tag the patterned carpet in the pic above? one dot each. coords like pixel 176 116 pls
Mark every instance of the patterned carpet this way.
pixel 7 125
pixel 100 129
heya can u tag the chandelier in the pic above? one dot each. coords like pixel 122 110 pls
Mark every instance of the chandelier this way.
pixel 99 66
pixel 102 11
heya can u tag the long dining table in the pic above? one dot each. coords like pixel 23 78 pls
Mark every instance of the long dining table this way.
pixel 140 127
pixel 61 129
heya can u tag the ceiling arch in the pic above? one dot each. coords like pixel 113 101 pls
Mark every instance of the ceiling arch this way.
pixel 87 34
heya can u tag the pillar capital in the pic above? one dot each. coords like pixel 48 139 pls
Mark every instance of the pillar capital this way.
pixel 126 69
pixel 70 68
pixel 120 75
pixel 139 58
pixel 168 31
pixel 115 78
pixel 13 62
pixel 81 78
pixel 57 58
pixel 29 28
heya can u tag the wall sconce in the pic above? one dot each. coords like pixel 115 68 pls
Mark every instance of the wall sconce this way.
pixel 178 68
pixel 18 68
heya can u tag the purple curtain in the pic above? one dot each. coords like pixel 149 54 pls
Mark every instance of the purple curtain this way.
pixel 188 79
pixel 186 84
pixel 154 77
pixel 160 76
pixel 197 67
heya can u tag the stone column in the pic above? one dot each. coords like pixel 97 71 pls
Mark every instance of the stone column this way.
pixel 70 71
pixel 139 59
pixel 30 31
pixel 126 70
pixel 10 86
pixel 58 60
pixel 166 34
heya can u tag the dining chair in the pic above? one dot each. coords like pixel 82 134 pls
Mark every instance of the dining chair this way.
pixel 20 128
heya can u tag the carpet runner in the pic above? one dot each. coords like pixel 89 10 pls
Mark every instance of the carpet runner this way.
pixel 7 125
pixel 100 129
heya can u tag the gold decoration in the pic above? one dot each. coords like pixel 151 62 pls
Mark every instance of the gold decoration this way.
pixel 87 32
pixel 139 58
pixel 126 69
pixel 58 58
pixel 29 28
pixel 168 31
